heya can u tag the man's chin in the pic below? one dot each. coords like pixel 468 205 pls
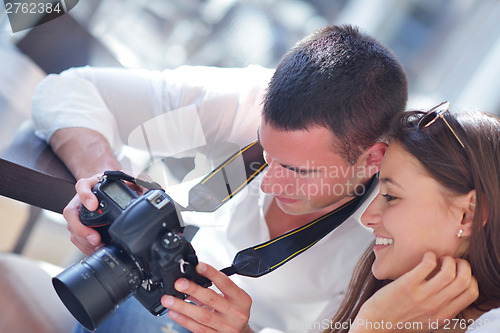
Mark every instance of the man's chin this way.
pixel 292 208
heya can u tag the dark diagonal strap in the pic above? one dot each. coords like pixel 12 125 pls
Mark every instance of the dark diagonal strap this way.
pixel 266 257
pixel 227 180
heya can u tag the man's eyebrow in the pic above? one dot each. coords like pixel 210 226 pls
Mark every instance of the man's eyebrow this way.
pixel 289 167
pixel 388 180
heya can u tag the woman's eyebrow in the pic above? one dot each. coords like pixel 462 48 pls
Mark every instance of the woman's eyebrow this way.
pixel 388 180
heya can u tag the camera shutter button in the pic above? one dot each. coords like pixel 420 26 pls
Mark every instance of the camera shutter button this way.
pixel 171 241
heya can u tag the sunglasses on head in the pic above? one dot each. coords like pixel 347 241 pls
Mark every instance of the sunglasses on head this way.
pixel 436 113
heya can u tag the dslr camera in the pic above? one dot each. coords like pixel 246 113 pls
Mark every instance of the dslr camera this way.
pixel 145 253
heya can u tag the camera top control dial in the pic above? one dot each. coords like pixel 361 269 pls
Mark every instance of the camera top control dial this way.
pixel 171 240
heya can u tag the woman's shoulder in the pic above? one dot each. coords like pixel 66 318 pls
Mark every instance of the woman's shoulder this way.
pixel 489 322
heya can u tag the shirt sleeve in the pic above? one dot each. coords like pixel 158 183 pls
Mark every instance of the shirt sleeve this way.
pixel 116 102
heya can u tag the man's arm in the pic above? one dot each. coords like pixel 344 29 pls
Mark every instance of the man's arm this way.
pixel 109 101
pixel 88 113
pixel 114 101
pixel 84 151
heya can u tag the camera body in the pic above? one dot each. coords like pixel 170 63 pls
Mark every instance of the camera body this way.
pixel 145 253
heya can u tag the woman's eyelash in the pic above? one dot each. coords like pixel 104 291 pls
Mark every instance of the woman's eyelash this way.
pixel 388 197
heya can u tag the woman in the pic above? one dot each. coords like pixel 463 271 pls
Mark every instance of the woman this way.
pixel 435 263
pixel 439 197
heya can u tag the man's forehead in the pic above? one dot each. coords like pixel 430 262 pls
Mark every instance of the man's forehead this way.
pixel 313 146
pixel 313 131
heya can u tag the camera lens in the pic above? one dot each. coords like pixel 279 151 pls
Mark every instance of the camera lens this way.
pixel 93 288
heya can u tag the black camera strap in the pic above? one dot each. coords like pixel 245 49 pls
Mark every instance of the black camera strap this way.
pixel 264 258
pixel 225 181
pixel 215 190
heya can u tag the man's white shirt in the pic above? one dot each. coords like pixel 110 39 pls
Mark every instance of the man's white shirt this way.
pixel 227 105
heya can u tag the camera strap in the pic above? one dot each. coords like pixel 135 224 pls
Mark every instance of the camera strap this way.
pixel 264 258
pixel 225 181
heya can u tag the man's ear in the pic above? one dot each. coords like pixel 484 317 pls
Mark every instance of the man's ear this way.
pixel 371 159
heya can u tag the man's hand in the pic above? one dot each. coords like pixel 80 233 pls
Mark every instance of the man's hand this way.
pixel 211 311
pixel 85 238
pixel 85 152
pixel 419 300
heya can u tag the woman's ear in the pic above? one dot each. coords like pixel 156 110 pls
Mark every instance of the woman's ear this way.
pixel 371 160
pixel 469 208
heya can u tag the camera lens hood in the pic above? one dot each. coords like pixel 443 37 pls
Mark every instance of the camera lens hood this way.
pixel 93 288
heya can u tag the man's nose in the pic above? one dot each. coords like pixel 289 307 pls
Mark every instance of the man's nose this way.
pixel 272 176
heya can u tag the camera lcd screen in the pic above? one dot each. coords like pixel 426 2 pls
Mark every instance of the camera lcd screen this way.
pixel 117 194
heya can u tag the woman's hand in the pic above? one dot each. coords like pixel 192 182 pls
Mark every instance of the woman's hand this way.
pixel 420 300
pixel 227 311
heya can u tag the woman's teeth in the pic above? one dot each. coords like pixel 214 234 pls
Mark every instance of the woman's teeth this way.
pixel 383 241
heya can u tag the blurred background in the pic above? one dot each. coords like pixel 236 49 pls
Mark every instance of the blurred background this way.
pixel 450 50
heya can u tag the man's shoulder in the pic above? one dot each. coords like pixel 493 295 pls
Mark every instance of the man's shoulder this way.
pixel 220 75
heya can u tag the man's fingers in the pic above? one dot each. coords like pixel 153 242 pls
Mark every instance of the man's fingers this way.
pixel 233 305
pixel 230 290
pixel 204 295
pixel 188 323
pixel 189 315
pixel 84 190
pixel 86 239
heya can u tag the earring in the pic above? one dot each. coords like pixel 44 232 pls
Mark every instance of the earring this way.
pixel 459 234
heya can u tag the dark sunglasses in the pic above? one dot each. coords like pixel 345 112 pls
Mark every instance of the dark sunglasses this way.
pixel 434 114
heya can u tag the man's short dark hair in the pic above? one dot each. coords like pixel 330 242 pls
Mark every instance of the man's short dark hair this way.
pixel 341 79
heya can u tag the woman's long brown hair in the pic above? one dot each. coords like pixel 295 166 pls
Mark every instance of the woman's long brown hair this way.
pixel 460 170
pixel 362 286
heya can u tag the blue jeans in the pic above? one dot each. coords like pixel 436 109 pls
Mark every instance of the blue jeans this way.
pixel 132 317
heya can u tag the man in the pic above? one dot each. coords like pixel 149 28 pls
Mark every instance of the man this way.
pixel 324 114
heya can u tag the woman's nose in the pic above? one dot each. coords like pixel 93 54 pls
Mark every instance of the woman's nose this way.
pixel 372 215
